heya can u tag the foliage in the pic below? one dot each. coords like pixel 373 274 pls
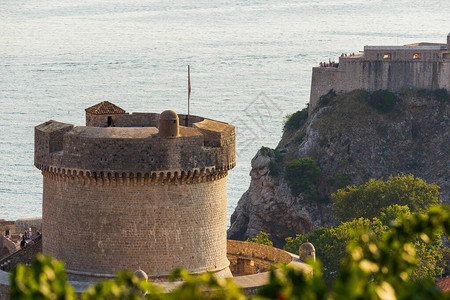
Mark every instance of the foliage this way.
pixel 382 100
pixel 203 286
pixel 331 243
pixel 44 279
pixel 376 268
pixel 382 268
pixel 392 213
pixel 441 95
pixel 275 158
pixel 274 168
pixel 343 163
pixel 302 173
pixel 340 180
pixel 295 120
pixel 324 100
pixel 261 238
pixel 125 286
pixel 438 94
pixel 368 199
pixel 266 151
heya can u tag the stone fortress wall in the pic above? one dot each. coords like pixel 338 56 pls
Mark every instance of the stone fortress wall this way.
pixel 120 194
pixel 422 66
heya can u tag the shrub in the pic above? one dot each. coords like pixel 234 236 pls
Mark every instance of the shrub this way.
pixel 441 95
pixel 295 120
pixel 274 168
pixel 261 238
pixel 341 180
pixel 324 100
pixel 368 199
pixel 301 174
pixel 266 151
pixel 375 268
pixel 383 101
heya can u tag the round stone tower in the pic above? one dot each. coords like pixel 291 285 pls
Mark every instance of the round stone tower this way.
pixel 132 195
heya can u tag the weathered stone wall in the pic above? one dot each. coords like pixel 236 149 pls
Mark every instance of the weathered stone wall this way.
pixel 124 197
pixel 7 226
pixel 353 74
pixel 136 150
pixel 48 138
pixel 391 68
pixel 4 285
pixel 6 246
pixel 246 257
pixel 103 227
pixel 25 224
pixel 135 119
pixel 23 256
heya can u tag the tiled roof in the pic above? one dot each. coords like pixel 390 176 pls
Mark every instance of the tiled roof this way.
pixel 444 284
pixel 105 108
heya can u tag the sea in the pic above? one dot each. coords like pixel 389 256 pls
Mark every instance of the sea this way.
pixel 250 66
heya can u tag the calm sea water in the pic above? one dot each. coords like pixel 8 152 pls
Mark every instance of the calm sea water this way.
pixel 250 62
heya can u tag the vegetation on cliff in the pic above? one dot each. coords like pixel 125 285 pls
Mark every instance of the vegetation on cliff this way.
pixel 352 138
pixel 368 199
pixel 302 174
pixel 375 268
pixel 370 205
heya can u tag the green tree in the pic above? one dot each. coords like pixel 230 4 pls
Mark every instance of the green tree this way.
pixel 295 120
pixel 331 243
pixel 368 199
pixel 261 238
pixel 302 173
pixel 376 268
pixel 383 101
pixel 44 279
pixel 393 213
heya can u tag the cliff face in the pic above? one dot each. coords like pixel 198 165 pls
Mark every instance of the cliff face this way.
pixel 351 142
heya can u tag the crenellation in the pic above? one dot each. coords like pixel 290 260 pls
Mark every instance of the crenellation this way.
pixel 153 196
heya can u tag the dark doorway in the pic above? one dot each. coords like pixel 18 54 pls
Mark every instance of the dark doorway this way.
pixel 109 121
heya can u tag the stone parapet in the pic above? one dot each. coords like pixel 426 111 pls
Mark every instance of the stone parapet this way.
pixel 208 147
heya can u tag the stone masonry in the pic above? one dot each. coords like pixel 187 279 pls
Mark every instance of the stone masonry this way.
pixel 121 194
pixel 420 66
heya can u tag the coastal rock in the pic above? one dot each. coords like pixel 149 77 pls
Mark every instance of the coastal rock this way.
pixel 352 143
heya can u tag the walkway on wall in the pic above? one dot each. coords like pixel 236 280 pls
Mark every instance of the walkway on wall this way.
pixel 9 261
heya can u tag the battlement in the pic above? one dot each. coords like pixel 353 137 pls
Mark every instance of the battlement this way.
pixel 420 65
pixel 117 144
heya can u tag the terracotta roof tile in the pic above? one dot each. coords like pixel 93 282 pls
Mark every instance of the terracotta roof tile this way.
pixel 105 108
pixel 444 284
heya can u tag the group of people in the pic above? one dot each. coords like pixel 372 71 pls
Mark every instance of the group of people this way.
pixel 333 64
pixel 26 236
pixel 329 64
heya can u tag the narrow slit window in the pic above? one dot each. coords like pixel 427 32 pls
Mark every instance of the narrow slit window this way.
pixel 416 56
pixel 387 56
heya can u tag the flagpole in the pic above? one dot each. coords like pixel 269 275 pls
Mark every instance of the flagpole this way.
pixel 189 95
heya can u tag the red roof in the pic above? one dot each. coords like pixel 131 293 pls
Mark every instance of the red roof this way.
pixel 105 108
pixel 444 284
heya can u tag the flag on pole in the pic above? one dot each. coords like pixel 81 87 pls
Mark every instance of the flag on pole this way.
pixel 189 95
pixel 189 82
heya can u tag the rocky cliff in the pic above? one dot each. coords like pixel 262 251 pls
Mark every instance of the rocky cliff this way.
pixel 352 141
